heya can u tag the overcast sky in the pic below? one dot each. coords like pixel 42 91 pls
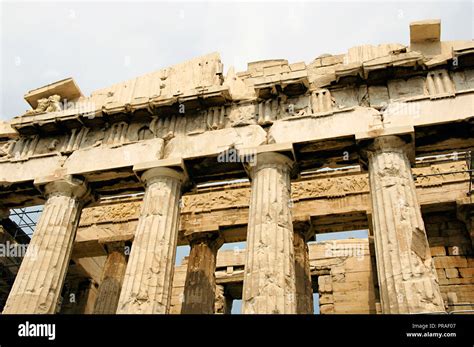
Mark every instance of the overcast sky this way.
pixel 99 44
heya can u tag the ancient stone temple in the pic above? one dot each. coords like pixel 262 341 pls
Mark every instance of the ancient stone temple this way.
pixel 379 138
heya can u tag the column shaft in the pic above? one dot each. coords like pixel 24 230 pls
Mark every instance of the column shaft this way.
pixel 40 279
pixel 304 287
pixel 200 285
pixel 149 275
pixel 407 277
pixel 112 279
pixel 269 281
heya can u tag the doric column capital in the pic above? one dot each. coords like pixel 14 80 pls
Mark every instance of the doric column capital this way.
pixel 391 143
pixel 271 160
pixel 303 227
pixel 115 243
pixel 151 175
pixel 69 186
pixel 211 237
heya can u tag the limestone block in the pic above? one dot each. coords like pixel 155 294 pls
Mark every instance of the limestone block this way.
pixel 463 80
pixel 452 273
pixel 242 114
pixel 29 170
pixel 425 31
pixel 237 88
pixel 438 251
pixel 215 142
pixel 339 124
pixel 326 299
pixel 326 309
pixel 325 284
pixel 441 274
pixel 86 160
pixel 378 96
pixel 466 272
pixel 399 89
pixel 449 262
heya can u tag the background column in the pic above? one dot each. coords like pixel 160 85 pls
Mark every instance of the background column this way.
pixel 304 287
pixel 112 277
pixel 200 285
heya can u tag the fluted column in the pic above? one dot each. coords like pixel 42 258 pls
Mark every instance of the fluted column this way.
pixel 269 281
pixel 40 279
pixel 200 285
pixel 112 278
pixel 304 287
pixel 149 275
pixel 407 277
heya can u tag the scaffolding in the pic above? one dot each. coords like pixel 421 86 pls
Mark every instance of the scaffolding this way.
pixel 25 219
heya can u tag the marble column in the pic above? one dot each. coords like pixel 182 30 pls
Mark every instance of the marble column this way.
pixel 38 284
pixel 112 278
pixel 200 285
pixel 269 278
pixel 149 275
pixel 407 278
pixel 304 287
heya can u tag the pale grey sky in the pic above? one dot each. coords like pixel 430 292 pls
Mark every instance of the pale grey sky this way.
pixel 99 44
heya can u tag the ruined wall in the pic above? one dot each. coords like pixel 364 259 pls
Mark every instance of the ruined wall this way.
pixel 346 280
pixel 452 252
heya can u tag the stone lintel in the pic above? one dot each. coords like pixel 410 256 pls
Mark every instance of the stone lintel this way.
pixel 283 148
pixel 116 238
pixel 398 130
